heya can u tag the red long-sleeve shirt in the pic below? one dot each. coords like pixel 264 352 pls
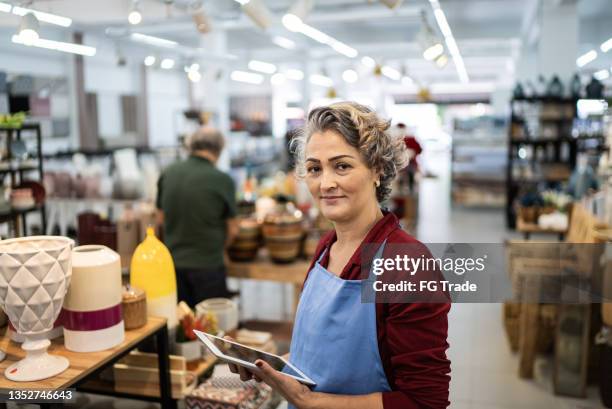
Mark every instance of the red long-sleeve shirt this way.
pixel 411 336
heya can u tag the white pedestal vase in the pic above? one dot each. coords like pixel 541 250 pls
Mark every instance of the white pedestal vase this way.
pixel 34 277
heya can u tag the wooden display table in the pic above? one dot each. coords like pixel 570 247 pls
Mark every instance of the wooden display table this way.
pixel 90 364
pixel 263 269
pixel 528 228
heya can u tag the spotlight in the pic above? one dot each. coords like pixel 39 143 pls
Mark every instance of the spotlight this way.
pixel 391 3
pixel 432 47
pixel 301 8
pixel 149 60
pixel 194 75
pixel 442 60
pixel 28 29
pixel 135 17
pixel 200 19
pixel 258 12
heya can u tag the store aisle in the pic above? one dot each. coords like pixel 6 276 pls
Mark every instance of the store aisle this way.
pixel 484 370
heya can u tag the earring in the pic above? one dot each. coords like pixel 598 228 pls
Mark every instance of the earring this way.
pixel 377 183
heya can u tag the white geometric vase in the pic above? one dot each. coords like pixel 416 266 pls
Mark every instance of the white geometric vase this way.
pixel 34 277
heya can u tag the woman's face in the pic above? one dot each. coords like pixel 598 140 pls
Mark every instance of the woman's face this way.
pixel 338 179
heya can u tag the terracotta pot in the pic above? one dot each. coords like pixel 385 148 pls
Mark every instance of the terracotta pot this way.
pixel 246 244
pixel 529 214
pixel 284 249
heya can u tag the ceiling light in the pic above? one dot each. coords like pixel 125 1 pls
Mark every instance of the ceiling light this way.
pixel 606 46
pixel 194 67
pixel 391 3
pixel 149 60
pixel 315 34
pixel 406 80
pixel 151 40
pixel 59 46
pixel 201 21
pixel 451 44
pixel 28 29
pixel 350 76
pixel 295 75
pixel 433 51
pixel 586 58
pixel 322 80
pixel 44 17
pixel 602 75
pixel 258 12
pixel 292 22
pixel 134 17
pixel 167 63
pixel 248 77
pixel 242 2
pixel 368 61
pixel 261 66
pixel 344 49
pixel 194 75
pixel 284 42
pixel 278 79
pixel 301 8
pixel 441 61
pixel 5 7
pixel 391 73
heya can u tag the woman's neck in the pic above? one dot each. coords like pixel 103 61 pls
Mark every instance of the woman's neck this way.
pixel 354 231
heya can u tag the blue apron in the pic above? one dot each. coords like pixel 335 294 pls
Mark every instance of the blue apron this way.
pixel 334 339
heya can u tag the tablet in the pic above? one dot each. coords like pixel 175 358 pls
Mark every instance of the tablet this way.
pixel 235 353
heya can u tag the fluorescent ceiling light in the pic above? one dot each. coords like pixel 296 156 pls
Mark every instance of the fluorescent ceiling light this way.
pixel 322 80
pixel 151 40
pixel 602 75
pixel 451 44
pixel 28 29
pixel 261 66
pixel 295 75
pixel 606 46
pixel 278 79
pixel 350 76
pixel 59 46
pixel 284 42
pixel 586 58
pixel 391 73
pixel 41 16
pixel 295 24
pixel 292 22
pixel 243 2
pixel 248 77
pixel 167 63
pixel 149 60
pixel 368 61
pixel 5 7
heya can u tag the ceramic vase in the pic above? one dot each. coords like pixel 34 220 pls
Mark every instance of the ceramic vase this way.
pixel 224 309
pixel 35 274
pixel 92 308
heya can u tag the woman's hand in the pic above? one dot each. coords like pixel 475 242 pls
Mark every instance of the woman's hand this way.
pixel 296 393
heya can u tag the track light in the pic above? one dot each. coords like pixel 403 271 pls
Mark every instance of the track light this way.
pixel 258 12
pixel 391 3
pixel 194 75
pixel 200 18
pixel 442 60
pixel 432 47
pixel 28 29
pixel 41 16
pixel 135 17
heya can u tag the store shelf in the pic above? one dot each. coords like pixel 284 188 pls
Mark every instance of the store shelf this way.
pixel 28 168
pixel 546 99
pixel 18 212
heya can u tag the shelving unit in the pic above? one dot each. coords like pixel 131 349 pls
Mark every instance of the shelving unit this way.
pixel 16 173
pixel 541 148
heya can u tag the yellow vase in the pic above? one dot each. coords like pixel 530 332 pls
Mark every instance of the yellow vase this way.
pixel 152 270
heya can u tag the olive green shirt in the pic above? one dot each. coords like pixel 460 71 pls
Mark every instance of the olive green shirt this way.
pixel 197 199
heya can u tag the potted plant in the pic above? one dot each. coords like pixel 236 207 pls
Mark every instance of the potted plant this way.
pixel 187 344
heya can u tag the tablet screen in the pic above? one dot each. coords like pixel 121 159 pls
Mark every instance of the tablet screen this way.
pixel 251 355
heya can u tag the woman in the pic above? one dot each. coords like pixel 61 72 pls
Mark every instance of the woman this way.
pixel 361 355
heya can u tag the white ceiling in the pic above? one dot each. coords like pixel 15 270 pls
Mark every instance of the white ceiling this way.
pixel 488 32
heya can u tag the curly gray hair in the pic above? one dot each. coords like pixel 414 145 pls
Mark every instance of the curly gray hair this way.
pixel 364 130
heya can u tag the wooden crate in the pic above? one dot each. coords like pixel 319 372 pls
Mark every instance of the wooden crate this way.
pixel 138 374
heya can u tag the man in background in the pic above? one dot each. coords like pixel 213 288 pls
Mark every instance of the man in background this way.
pixel 197 205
